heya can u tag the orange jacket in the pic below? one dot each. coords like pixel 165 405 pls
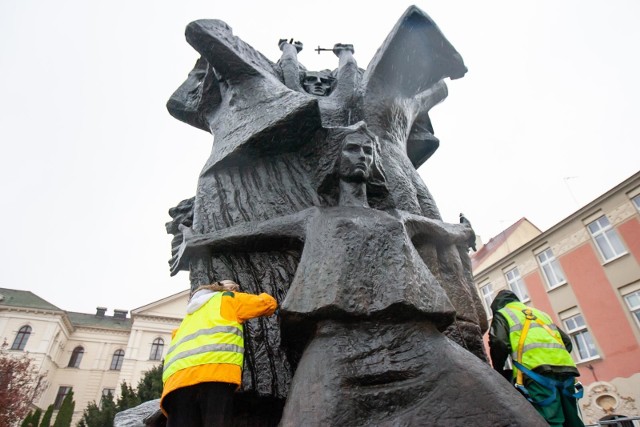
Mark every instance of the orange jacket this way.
pixel 236 306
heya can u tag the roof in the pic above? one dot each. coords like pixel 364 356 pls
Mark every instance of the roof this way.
pixel 27 299
pixel 181 294
pixel 494 244
pixel 625 186
pixel 102 322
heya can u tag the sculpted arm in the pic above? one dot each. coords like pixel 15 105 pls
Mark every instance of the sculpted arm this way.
pixel 347 70
pixel 247 237
pixel 427 99
pixel 423 228
pixel 289 63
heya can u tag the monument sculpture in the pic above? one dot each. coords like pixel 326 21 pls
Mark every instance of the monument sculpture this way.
pixel 311 194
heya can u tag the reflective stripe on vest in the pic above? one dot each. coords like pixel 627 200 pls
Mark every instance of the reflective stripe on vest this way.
pixel 540 347
pixel 205 337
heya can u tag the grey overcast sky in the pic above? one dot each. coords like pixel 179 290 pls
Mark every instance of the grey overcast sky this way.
pixel 90 161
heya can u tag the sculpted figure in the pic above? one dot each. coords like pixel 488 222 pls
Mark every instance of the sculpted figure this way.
pixel 319 83
pixel 272 129
pixel 356 261
pixel 368 302
pixel 397 111
pixel 232 87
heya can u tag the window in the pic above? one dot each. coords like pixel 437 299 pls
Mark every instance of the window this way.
pixel 582 341
pixel 156 349
pixel 62 392
pixel 21 338
pixel 633 301
pixel 76 357
pixel 606 238
pixel 516 284
pixel 107 393
pixel 551 269
pixel 116 361
pixel 487 297
pixel 636 201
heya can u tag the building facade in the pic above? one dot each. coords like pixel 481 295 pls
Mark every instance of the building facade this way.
pixel 91 354
pixel 585 272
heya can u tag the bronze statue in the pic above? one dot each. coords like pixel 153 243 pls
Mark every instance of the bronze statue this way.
pixel 311 194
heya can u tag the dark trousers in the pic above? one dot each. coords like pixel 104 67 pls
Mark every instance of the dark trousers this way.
pixel 200 405
pixel 562 412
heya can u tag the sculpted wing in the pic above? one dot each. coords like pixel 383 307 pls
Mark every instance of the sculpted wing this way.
pixel 414 58
pixel 239 96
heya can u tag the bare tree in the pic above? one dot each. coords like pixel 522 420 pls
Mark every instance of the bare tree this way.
pixel 20 385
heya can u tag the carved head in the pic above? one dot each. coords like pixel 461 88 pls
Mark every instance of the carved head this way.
pixel 351 153
pixel 317 82
pixel 356 157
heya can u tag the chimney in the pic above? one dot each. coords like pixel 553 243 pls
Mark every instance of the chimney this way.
pixel 100 311
pixel 119 314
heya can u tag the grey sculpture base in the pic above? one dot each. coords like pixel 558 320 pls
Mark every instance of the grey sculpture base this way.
pixel 408 374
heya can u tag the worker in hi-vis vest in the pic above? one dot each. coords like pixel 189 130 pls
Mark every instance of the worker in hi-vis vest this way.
pixel 203 366
pixel 543 370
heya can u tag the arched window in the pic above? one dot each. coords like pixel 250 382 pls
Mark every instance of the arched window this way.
pixel 156 349
pixel 76 357
pixel 21 338
pixel 62 393
pixel 116 361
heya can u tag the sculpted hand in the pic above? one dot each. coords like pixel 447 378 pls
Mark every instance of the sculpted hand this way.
pixel 176 260
pixel 453 233
pixel 283 42
pixel 339 47
pixel 467 231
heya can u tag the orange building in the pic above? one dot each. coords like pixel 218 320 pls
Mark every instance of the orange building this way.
pixel 585 272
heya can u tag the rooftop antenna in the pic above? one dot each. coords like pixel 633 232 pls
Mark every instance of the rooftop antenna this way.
pixel 566 183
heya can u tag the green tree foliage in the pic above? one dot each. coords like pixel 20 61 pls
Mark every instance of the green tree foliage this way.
pixel 46 419
pixel 63 419
pixel 99 416
pixel 150 385
pixel 149 388
pixel 35 419
pixel 27 420
pixel 128 397
pixel 20 384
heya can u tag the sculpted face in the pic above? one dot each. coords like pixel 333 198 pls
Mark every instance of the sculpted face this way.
pixel 316 84
pixel 356 158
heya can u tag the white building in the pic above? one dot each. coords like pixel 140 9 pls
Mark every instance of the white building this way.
pixel 90 354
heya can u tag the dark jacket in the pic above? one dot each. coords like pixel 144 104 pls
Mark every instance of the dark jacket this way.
pixel 500 345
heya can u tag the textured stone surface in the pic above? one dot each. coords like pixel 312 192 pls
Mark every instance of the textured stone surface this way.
pixel 134 417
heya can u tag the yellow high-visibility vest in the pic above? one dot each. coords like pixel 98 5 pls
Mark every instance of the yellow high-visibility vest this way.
pixel 205 337
pixel 542 344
